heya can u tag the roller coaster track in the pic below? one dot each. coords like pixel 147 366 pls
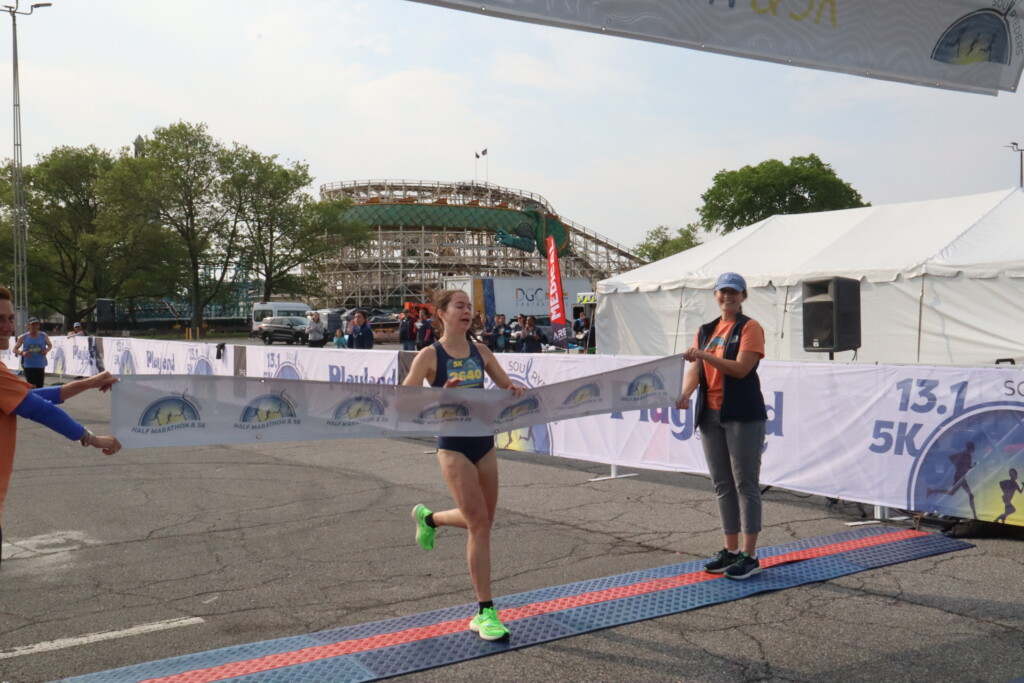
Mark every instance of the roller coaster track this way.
pixel 426 230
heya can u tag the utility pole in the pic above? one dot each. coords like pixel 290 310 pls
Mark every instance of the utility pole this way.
pixel 19 212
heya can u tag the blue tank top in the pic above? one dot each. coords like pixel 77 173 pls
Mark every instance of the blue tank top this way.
pixel 470 370
pixel 35 346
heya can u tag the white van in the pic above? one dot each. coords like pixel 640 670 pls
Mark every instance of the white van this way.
pixel 273 309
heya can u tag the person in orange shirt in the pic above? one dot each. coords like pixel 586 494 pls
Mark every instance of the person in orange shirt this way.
pixel 19 399
pixel 731 417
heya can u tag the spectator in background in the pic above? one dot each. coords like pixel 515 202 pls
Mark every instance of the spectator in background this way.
pixel 425 331
pixel 360 335
pixel 317 332
pixel 517 332
pixel 407 330
pixel 77 331
pixel 32 347
pixel 532 339
pixel 339 339
pixel 480 330
pixel 501 334
pixel 588 341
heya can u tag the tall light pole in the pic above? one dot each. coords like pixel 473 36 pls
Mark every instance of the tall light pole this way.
pixel 19 213
pixel 1019 150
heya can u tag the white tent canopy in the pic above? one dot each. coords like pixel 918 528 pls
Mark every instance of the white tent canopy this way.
pixel 941 282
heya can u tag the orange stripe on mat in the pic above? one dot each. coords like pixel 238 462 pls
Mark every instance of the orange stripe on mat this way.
pixel 347 647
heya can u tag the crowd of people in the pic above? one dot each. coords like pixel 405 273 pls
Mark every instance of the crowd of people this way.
pixel 521 335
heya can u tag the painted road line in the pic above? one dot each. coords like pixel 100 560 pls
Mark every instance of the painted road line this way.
pixel 90 638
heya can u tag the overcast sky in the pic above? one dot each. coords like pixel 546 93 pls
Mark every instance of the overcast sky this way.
pixel 620 136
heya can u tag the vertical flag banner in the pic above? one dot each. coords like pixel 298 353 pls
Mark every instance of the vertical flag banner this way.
pixel 969 45
pixel 559 332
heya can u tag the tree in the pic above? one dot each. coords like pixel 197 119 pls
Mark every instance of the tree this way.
pixel 660 243
pixel 178 183
pixel 283 228
pixel 74 258
pixel 753 193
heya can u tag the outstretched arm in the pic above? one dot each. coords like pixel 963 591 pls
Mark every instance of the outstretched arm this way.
pixel 102 381
pixel 36 408
pixel 739 368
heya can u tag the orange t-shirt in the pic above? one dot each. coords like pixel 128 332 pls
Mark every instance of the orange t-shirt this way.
pixel 751 340
pixel 12 393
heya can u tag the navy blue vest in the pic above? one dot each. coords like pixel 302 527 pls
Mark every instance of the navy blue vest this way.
pixel 741 398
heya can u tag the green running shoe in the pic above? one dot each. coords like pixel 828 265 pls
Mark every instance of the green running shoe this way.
pixel 424 532
pixel 488 626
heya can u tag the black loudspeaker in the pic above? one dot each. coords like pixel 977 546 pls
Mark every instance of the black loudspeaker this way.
pixel 105 312
pixel 831 309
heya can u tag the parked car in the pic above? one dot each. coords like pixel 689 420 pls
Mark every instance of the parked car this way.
pixel 289 329
pixel 350 313
pixel 274 309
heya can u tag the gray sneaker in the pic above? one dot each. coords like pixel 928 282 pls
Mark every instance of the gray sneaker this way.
pixel 722 560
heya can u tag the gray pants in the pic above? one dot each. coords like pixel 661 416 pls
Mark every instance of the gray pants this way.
pixel 733 452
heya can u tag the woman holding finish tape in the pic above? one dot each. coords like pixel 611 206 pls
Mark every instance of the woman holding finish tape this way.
pixel 19 399
pixel 731 417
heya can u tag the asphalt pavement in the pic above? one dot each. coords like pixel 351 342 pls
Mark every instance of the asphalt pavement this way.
pixel 229 545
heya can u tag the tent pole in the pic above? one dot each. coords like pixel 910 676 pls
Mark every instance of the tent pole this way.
pixel 679 318
pixel 920 318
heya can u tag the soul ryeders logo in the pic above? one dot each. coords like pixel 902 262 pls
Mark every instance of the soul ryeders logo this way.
pixel 645 387
pixel 522 409
pixel 360 410
pixel 169 414
pixel 443 413
pixel 535 439
pixel 269 410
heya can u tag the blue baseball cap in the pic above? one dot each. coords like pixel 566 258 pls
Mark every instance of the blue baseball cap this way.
pixel 731 281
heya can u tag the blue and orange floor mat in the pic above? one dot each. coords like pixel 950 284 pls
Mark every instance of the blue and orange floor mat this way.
pixel 368 652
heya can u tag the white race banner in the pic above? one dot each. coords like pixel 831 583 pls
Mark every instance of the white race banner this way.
pixel 895 436
pixel 972 45
pixel 933 439
pixel 151 411
pixel 126 357
pixel 323 365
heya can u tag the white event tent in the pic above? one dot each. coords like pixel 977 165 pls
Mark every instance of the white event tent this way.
pixel 941 282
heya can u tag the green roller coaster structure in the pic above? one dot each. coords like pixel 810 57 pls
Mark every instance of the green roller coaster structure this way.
pixel 526 229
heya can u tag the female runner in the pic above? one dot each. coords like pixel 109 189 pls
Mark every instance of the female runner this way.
pixel 469 463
